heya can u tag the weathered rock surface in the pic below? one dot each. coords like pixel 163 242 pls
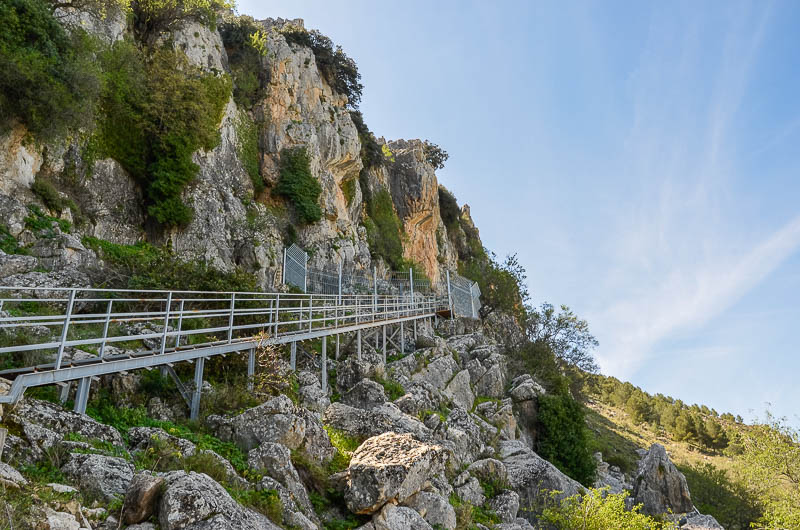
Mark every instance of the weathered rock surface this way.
pixel 393 517
pixel 104 476
pixel 659 486
pixel 141 498
pixel 380 419
pixel 529 475
pixel 366 394
pixel 506 505
pixel 459 390
pixel 435 509
pixel 276 460
pixel 390 467
pixel 196 501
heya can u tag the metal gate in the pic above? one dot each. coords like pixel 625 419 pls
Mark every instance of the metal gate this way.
pixel 295 262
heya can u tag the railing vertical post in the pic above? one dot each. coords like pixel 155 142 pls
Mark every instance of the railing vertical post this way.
pixel 64 330
pixel 324 359
pixel 310 312
pixel 293 355
pixel 411 285
pixel 166 322
pixel 449 296
pixel 283 279
pixel 180 325
pixel 251 368
pixel 384 343
pixel 339 299
pixel 230 318
pixel 277 314
pixel 402 339
pixel 64 396
pixel 374 292
pixel 358 339
pixel 305 272
pixel 198 388
pixel 105 329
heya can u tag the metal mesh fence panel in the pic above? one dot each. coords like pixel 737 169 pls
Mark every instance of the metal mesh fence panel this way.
pixel 294 267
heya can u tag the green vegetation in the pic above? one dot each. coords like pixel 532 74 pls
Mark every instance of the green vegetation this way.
pixel 339 70
pixel 393 389
pixel 348 190
pixel 42 225
pixel 152 128
pixel 9 243
pixel 502 285
pixel 599 510
pixel 563 438
pixel 248 149
pixel 468 515
pixel 714 492
pixel 448 209
pixel 143 266
pixel 50 81
pixel 151 18
pixel 384 230
pixel 297 184
pixel 250 78
pixel 267 502
pixel 434 155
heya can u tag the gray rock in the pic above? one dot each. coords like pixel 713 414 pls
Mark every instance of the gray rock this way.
pixel 435 509
pixel 525 388
pixel 366 394
pixel 141 498
pixel 611 477
pixel 530 475
pixel 438 372
pixel 390 467
pixel 365 423
pixel 492 383
pixel 104 476
pixel 196 501
pixel 15 264
pixel 458 390
pixel 471 491
pixel 276 460
pixel 506 505
pixel 393 517
pixel 698 521
pixel 60 520
pixel 142 438
pixel 659 486
pixel 489 469
pixel 311 395
pixel 11 477
pixel 54 418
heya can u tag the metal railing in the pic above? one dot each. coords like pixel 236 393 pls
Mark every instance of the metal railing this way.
pixel 54 335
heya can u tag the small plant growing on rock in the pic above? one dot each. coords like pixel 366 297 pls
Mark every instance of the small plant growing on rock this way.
pixel 273 376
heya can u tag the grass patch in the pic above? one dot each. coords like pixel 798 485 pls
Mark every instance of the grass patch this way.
pixel 298 185
pixel 393 389
pixel 267 502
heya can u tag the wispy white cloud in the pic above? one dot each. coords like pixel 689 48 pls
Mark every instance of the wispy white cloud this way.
pixel 679 261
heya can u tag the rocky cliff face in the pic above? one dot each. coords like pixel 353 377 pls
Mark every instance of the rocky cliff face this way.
pixel 231 226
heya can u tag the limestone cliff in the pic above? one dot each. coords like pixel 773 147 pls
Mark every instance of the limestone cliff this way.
pixel 231 226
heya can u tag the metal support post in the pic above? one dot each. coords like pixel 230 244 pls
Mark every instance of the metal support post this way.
pixel 374 292
pixel 402 340
pixel 415 331
pixel 283 280
pixel 339 299
pixel 64 330
pixel 277 314
pixel 82 395
pixel 198 388
pixel 324 380
pixel 251 368
pixel 166 322
pixel 337 346
pixel 293 355
pixel 411 284
pixel 310 311
pixel 230 318
pixel 358 333
pixel 384 343
pixel 105 329
pixel 64 396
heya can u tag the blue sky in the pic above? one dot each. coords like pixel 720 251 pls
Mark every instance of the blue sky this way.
pixel 641 158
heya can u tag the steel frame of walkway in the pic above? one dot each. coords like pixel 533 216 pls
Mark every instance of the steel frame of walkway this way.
pixel 184 326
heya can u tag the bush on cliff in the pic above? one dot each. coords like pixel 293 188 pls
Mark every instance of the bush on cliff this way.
pixel 50 81
pixel 297 184
pixel 562 437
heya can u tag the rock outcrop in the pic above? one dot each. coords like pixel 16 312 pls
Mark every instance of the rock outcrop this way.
pixel 390 467
pixel 659 487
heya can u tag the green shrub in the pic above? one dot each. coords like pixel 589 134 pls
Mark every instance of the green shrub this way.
pixel 248 150
pixel 393 389
pixel 339 70
pixel 267 502
pixel 50 81
pixel 448 209
pixel 297 184
pixel 152 18
pixel 45 190
pixel 250 78
pixel 384 230
pixel 9 243
pixel 42 225
pixel 143 266
pixel 563 438
pixel 714 493
pixel 348 190
pixel 152 128
pixel 598 510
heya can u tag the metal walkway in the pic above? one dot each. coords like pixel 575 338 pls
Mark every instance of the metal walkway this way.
pixel 63 335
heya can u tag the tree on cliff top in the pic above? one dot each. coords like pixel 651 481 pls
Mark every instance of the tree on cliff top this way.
pixel 567 335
